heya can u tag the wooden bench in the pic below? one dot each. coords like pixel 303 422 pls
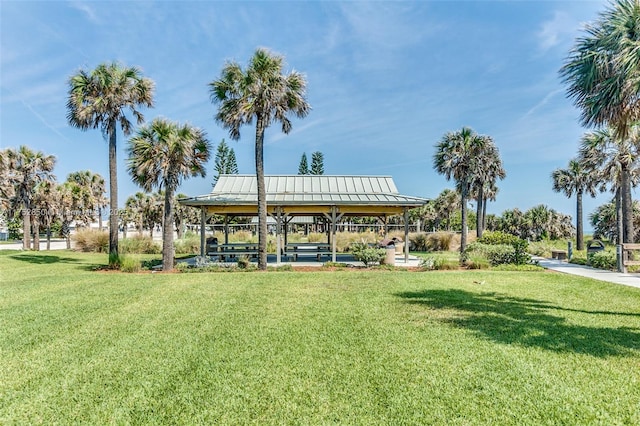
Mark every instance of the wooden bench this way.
pixel 627 257
pixel 317 249
pixel 559 254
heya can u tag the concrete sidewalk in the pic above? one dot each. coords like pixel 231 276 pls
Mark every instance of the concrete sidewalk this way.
pixel 632 280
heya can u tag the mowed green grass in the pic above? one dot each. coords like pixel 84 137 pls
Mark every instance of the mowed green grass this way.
pixel 326 347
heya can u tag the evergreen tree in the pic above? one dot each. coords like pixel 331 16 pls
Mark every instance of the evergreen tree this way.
pixel 317 163
pixel 303 168
pixel 225 162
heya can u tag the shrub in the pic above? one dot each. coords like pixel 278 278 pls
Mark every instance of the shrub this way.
pixel 366 254
pixel 497 238
pixel 499 254
pixel 89 240
pixel 477 263
pixel 603 260
pixel 141 244
pixel 431 263
pixel 243 262
pixel 130 264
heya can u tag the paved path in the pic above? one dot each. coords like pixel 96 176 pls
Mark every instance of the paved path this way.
pixel 632 280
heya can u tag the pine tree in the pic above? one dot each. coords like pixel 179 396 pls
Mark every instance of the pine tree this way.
pixel 317 163
pixel 225 162
pixel 303 168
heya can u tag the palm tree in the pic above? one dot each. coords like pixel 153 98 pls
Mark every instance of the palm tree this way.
pixel 488 170
pixel 575 179
pixel 603 69
pixel 445 204
pixel 456 157
pixel 25 170
pixel 95 189
pixel 261 92
pixel 46 201
pixel 602 72
pixel 161 155
pixel 184 215
pixel 101 98
pixel 614 163
pixel 134 210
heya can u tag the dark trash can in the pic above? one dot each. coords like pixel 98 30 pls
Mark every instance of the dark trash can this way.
pixel 594 246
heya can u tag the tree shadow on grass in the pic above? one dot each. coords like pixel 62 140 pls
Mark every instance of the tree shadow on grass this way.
pixel 526 322
pixel 43 259
pixel 49 259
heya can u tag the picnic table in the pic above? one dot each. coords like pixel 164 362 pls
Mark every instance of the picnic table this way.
pixel 224 251
pixel 317 249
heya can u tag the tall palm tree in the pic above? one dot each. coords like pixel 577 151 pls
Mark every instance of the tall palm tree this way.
pixel 603 69
pixel 100 99
pixel 456 157
pixel 603 74
pixel 25 170
pixel 261 92
pixel 614 163
pixel 575 179
pixel 484 179
pixel 162 154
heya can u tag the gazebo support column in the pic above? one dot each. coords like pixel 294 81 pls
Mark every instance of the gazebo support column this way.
pixel 226 229
pixel 279 219
pixel 334 218
pixel 203 239
pixel 406 235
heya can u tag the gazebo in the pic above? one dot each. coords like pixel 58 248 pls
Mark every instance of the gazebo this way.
pixel 330 197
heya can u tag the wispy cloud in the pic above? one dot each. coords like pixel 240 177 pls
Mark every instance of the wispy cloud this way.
pixel 540 104
pixel 296 130
pixel 86 10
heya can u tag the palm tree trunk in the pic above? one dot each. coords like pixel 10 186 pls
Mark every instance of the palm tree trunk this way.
pixel 579 223
pixel 100 218
pixel 479 217
pixel 167 230
pixel 620 226
pixel 484 214
pixel 36 233
pixel 26 228
pixel 66 233
pixel 48 236
pixel 627 207
pixel 262 195
pixel 463 201
pixel 113 195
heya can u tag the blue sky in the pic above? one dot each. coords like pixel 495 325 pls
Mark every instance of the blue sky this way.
pixel 386 80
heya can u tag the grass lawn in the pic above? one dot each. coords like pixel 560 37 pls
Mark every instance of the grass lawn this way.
pixel 356 347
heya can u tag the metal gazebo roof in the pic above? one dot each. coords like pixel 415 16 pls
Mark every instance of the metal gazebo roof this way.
pixel 307 194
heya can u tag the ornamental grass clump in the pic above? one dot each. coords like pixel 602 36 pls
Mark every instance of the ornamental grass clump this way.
pixel 91 240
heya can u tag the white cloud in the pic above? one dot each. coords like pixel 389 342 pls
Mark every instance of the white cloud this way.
pixel 554 30
pixel 87 10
